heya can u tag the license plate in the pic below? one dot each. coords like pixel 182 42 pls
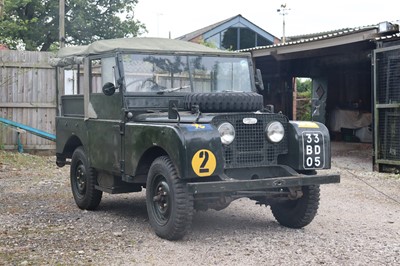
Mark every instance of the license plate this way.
pixel 313 150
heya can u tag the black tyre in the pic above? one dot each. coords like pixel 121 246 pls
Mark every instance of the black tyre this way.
pixel 83 181
pixel 298 213
pixel 224 102
pixel 169 205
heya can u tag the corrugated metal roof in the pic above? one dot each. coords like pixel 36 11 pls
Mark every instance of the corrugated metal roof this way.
pixel 315 34
pixel 314 37
pixel 388 37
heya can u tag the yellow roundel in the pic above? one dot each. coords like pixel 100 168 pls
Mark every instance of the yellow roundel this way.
pixel 204 163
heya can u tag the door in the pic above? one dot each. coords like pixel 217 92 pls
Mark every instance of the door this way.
pixel 319 96
pixel 103 117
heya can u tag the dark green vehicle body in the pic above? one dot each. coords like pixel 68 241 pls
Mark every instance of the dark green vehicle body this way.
pixel 177 118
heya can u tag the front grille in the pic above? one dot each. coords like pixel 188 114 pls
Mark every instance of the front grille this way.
pixel 250 147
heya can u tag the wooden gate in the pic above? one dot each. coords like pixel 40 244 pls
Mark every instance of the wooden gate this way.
pixel 27 96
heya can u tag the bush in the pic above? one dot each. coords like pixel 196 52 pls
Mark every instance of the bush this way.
pixel 304 93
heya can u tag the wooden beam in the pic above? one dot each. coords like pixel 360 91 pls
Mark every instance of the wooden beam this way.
pixel 28 105
pixel 26 65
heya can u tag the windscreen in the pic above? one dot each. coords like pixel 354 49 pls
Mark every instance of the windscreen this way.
pixel 168 73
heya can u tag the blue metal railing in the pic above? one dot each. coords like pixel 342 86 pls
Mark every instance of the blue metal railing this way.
pixel 29 129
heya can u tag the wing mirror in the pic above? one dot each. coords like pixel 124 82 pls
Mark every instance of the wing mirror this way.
pixel 259 81
pixel 109 88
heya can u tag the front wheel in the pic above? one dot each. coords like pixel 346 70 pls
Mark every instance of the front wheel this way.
pixel 298 213
pixel 169 205
pixel 83 181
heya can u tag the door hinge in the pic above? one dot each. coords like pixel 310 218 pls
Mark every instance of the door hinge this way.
pixel 122 128
pixel 122 166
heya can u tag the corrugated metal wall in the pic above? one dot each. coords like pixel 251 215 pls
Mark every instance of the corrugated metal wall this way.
pixel 27 96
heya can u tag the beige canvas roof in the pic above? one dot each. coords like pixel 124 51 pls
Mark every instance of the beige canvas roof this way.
pixel 139 44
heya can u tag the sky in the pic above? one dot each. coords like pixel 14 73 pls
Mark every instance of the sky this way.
pixel 174 18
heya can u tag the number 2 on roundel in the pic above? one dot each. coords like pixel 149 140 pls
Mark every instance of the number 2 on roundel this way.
pixel 205 155
pixel 204 162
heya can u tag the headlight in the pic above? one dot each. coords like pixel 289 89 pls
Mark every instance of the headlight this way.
pixel 275 131
pixel 227 133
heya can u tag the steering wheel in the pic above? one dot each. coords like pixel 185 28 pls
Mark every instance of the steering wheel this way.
pixel 155 86
pixel 133 82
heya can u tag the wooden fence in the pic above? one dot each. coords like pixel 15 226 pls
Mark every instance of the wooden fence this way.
pixel 27 96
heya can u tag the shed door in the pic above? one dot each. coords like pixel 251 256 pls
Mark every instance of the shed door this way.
pixel 319 96
pixel 387 106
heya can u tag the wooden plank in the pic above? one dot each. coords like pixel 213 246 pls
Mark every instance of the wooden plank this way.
pixel 3 82
pixel 34 122
pixel 20 63
pixel 28 105
pixel 387 105
pixel 24 120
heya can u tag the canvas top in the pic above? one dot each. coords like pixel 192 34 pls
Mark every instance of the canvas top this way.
pixel 140 44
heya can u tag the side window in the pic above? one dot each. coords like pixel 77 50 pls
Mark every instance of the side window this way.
pixel 101 71
pixel 107 70
pixel 95 76
pixel 73 80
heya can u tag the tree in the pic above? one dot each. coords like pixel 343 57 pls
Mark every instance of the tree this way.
pixel 304 90
pixel 1 8
pixel 33 24
pixel 303 84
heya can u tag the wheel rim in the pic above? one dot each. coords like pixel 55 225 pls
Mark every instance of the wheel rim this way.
pixel 161 200
pixel 80 178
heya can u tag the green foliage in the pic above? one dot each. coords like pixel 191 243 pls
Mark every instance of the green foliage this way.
pixel 304 93
pixel 209 44
pixel 303 85
pixel 33 24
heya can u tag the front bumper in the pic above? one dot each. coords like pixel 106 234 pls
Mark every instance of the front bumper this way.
pixel 228 186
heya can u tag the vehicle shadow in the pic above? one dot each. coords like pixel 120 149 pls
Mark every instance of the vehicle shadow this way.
pixel 125 206
pixel 236 218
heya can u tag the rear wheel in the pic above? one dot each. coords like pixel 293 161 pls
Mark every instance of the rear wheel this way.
pixel 83 181
pixel 169 205
pixel 298 213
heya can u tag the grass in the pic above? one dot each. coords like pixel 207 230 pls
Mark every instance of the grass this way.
pixel 25 160
pixel 35 166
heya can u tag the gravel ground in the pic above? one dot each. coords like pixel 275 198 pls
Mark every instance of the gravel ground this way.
pixel 358 223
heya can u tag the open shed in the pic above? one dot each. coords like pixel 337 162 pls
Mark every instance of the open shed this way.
pixel 341 68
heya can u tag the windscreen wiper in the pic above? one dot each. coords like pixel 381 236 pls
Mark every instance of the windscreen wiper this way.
pixel 174 89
